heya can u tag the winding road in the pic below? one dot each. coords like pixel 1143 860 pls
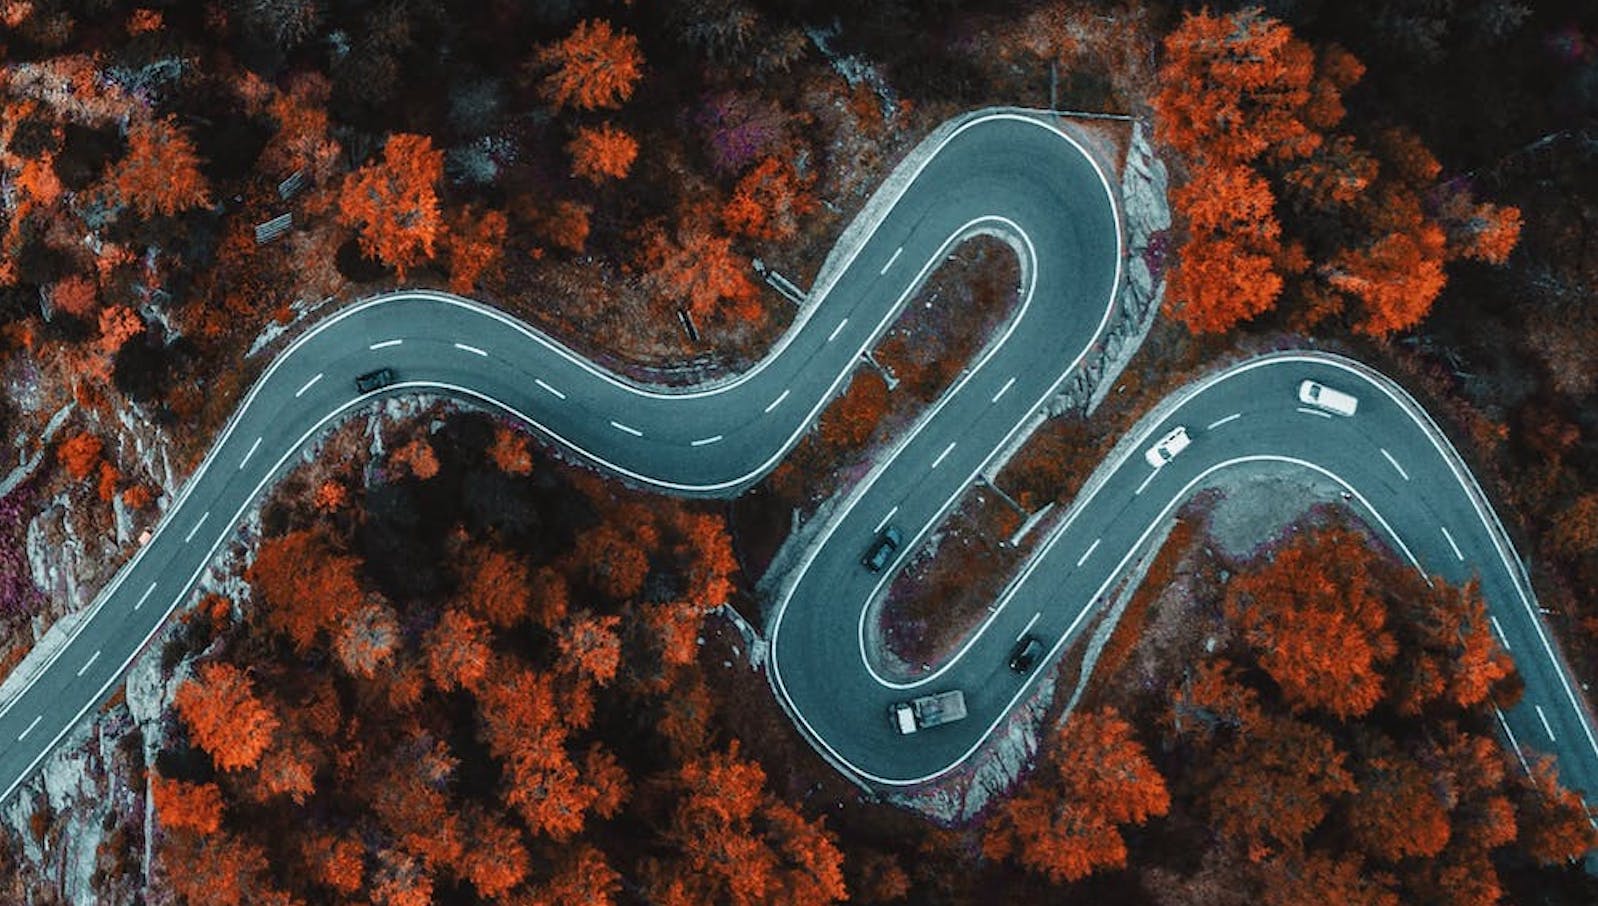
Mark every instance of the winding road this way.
pixel 1008 174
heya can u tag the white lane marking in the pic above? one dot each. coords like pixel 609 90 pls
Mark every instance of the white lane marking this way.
pixel 24 734
pixel 1403 474
pixel 627 428
pixel 1513 742
pixel 704 441
pixel 472 349
pixel 1089 552
pixel 837 330
pixel 1029 624
pixel 385 344
pixel 140 603
pixel 946 450
pixel 1002 390
pixel 190 536
pixel 777 402
pixel 92 658
pixel 1451 543
pixel 1221 421
pixel 1145 482
pixel 1502 639
pixel 557 393
pixel 1314 412
pixel 896 253
pixel 251 453
pixel 1546 725
pixel 301 392
pixel 885 519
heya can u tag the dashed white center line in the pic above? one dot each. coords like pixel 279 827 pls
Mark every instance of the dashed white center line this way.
pixel 251 453
pixel 1314 412
pixel 471 349
pixel 896 253
pixel 1089 552
pixel 885 519
pixel 837 330
pixel 190 536
pixel 1502 639
pixel 308 384
pixel 24 734
pixel 557 393
pixel 946 450
pixel 704 441
pixel 85 668
pixel 1029 624
pixel 1145 482
pixel 777 402
pixel 1003 390
pixel 627 428
pixel 385 344
pixel 140 603
pixel 1451 542
pixel 1402 474
pixel 1221 421
pixel 1546 725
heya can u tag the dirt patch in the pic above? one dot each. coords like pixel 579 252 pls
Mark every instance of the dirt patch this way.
pixel 1259 501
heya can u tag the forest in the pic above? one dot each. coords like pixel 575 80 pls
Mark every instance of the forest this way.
pixel 451 667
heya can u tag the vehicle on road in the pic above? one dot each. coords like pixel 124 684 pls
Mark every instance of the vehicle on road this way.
pixel 928 711
pixel 1024 656
pixel 1170 445
pixel 882 549
pixel 1321 396
pixel 374 380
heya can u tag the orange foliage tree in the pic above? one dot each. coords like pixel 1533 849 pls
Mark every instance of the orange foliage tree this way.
pixel 190 806
pixel 79 454
pixel 1065 825
pixel 307 587
pixel 699 271
pixel 852 418
pixel 1276 784
pixel 497 587
pixel 594 66
pixel 602 152
pixel 510 451
pixel 161 172
pixel 224 716
pixel 393 203
pixel 76 295
pixel 769 201
pixel 475 242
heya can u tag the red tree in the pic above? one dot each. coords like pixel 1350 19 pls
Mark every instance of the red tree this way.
pixel 594 67
pixel 224 716
pixel 601 153
pixel 161 172
pixel 393 203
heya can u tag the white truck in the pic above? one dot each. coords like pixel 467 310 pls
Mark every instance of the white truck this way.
pixel 928 711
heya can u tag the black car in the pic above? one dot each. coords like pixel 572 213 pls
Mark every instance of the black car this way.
pixel 881 550
pixel 374 380
pixel 1024 656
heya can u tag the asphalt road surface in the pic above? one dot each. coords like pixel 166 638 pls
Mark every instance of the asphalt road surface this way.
pixel 1003 173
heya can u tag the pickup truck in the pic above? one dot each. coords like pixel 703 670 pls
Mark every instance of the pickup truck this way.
pixel 928 711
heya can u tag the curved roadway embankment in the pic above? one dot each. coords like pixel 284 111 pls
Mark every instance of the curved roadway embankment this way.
pixel 1002 173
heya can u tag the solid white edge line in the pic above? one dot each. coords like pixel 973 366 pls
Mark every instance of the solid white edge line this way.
pixel 776 402
pixel 140 603
pixel 896 253
pixel 24 734
pixel 1029 624
pixel 1502 639
pixel 946 451
pixel 1221 421
pixel 1457 553
pixel 1394 463
pixel 885 519
pixel 86 664
pixel 1089 552
pixel 471 349
pixel 1314 412
pixel 1513 742
pixel 540 382
pixel 703 441
pixel 251 453
pixel 1003 390
pixel 1145 482
pixel 190 536
pixel 1548 727
pixel 308 384
pixel 626 428
pixel 837 330
pixel 385 344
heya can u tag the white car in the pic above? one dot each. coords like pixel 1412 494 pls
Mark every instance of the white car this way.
pixel 1321 396
pixel 1169 445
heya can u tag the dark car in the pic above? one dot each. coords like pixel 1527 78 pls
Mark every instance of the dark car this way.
pixel 374 380
pixel 881 550
pixel 1024 656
